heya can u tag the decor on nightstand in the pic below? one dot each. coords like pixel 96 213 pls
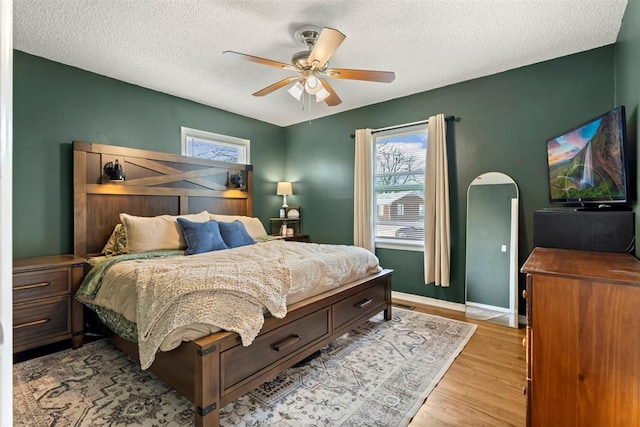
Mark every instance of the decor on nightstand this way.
pixel 289 218
pixel 284 189
pixel 114 171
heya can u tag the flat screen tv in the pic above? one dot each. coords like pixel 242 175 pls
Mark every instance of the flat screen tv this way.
pixel 587 163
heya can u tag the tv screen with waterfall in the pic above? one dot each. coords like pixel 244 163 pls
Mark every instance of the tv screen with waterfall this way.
pixel 587 163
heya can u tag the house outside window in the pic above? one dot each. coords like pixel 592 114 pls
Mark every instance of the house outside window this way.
pixel 400 163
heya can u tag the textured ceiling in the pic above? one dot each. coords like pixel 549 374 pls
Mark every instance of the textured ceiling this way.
pixel 176 46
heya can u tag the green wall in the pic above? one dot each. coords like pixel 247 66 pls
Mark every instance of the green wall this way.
pixel 55 104
pixel 627 90
pixel 505 120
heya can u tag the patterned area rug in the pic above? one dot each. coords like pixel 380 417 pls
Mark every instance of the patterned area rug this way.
pixel 379 374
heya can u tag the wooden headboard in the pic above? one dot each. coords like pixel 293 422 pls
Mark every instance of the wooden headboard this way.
pixel 156 183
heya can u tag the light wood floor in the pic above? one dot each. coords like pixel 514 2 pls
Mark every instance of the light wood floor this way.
pixel 483 387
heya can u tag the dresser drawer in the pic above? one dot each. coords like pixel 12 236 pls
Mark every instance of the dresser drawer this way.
pixel 358 305
pixel 241 362
pixel 40 284
pixel 41 320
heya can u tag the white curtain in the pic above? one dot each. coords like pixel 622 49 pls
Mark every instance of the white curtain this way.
pixel 363 191
pixel 437 239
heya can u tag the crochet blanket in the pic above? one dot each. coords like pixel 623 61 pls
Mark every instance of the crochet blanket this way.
pixel 230 295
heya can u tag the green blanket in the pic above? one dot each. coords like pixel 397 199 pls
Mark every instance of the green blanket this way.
pixel 93 280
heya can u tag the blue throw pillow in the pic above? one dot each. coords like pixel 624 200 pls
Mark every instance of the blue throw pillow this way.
pixel 235 234
pixel 201 236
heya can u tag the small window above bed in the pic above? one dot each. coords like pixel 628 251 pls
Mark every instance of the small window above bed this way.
pixel 213 146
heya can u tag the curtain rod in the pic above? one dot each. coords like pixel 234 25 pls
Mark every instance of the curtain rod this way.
pixel 406 125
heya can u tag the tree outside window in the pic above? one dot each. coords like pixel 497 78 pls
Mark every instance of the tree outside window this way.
pixel 400 166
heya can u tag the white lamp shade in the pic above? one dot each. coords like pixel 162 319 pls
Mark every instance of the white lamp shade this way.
pixel 284 189
pixel 322 95
pixel 296 90
pixel 312 85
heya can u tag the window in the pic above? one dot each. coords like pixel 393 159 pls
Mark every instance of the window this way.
pixel 212 146
pixel 400 162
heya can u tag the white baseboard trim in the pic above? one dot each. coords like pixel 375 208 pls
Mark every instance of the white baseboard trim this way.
pixel 418 299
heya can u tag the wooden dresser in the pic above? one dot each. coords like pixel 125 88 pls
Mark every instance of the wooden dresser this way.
pixel 583 338
pixel 44 310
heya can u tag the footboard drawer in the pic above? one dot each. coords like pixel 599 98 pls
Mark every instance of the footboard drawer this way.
pixel 242 362
pixel 358 305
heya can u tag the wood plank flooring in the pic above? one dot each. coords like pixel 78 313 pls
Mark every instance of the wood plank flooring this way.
pixel 483 386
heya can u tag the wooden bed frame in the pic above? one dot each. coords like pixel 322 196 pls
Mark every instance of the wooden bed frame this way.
pixel 214 370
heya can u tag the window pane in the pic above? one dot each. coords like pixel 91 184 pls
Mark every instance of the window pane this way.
pixel 213 146
pixel 399 184
pixel 213 150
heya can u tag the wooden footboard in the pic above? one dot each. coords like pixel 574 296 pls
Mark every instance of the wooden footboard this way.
pixel 216 370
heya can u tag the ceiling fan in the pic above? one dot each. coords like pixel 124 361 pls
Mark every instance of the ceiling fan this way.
pixel 312 65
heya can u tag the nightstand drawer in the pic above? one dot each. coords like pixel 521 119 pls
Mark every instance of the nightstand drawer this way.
pixel 40 284
pixel 41 320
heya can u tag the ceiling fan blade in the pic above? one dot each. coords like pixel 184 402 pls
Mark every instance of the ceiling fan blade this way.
pixel 333 99
pixel 326 45
pixel 277 85
pixel 259 60
pixel 367 75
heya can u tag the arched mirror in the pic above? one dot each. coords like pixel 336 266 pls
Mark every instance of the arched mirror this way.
pixel 492 249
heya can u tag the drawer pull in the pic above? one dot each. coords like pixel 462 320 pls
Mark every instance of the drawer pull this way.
pixel 524 294
pixel 524 341
pixel 34 285
pixel 364 303
pixel 34 323
pixel 286 343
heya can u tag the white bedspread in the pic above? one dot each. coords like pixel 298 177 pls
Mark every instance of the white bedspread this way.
pixel 313 269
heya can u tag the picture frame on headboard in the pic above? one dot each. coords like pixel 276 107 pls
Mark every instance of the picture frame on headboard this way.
pixel 213 146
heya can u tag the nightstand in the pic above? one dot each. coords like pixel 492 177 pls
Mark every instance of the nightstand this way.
pixel 297 238
pixel 44 310
pixel 295 223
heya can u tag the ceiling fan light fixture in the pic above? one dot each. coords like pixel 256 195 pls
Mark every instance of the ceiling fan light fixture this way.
pixel 321 44
pixel 322 94
pixel 312 85
pixel 296 90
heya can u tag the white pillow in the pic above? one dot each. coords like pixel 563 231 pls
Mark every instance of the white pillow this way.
pixel 158 232
pixel 253 225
